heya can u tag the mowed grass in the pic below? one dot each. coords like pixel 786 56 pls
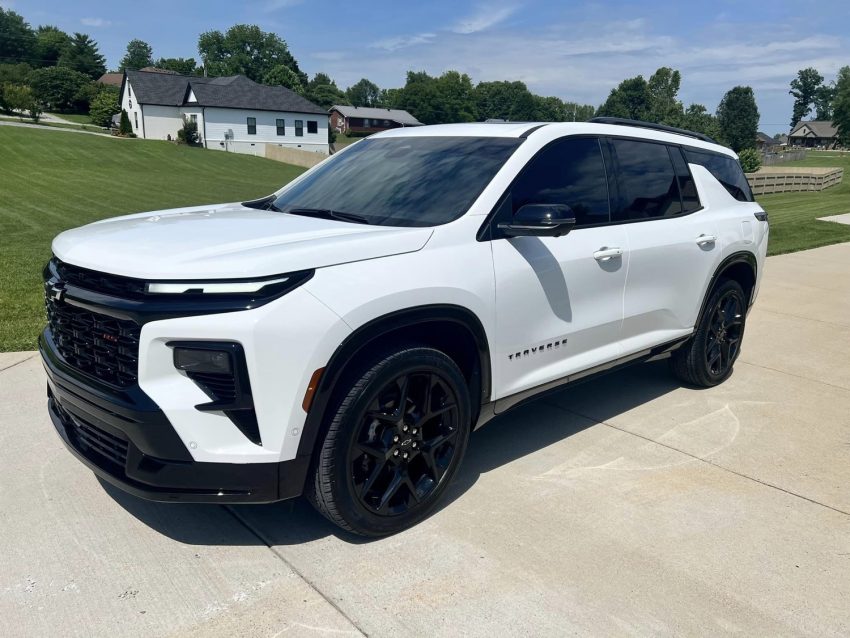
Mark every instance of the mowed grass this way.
pixel 794 221
pixel 51 181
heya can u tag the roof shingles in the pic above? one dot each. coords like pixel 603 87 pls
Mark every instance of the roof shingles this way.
pixel 231 92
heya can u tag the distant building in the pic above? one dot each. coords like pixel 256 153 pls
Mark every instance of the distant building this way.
pixel 813 134
pixel 111 79
pixel 362 119
pixel 765 142
pixel 232 113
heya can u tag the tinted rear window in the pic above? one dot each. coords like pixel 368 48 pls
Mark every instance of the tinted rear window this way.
pixel 687 186
pixel 403 181
pixel 726 170
pixel 648 186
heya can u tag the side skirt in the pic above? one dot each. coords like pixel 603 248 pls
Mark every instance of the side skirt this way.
pixel 500 406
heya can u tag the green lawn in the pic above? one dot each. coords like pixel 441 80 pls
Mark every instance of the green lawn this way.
pixel 51 181
pixel 79 118
pixel 793 216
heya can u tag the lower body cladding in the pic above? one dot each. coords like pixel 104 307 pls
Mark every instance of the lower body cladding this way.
pixel 151 439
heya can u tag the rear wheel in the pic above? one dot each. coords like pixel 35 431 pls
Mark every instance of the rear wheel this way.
pixel 394 443
pixel 707 359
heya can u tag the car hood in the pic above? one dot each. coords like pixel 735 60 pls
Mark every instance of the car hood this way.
pixel 227 241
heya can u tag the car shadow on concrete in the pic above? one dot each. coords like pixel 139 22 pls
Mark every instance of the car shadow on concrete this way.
pixel 522 431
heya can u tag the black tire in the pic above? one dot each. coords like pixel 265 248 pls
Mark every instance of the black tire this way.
pixel 392 446
pixel 709 356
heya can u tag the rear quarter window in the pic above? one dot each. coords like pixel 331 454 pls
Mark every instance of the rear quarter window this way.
pixel 725 170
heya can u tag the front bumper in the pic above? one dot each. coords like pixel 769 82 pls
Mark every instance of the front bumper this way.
pixel 124 438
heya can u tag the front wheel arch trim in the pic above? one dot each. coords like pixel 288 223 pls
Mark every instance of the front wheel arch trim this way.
pixel 374 329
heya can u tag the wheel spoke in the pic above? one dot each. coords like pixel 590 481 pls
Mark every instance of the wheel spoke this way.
pixel 395 483
pixel 410 486
pixel 373 476
pixel 404 386
pixel 381 416
pixel 715 355
pixel 724 348
pixel 437 442
pixel 371 450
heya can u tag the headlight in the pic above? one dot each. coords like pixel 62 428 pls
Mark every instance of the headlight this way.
pixel 213 287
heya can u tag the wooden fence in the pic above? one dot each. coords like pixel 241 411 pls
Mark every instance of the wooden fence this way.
pixel 784 180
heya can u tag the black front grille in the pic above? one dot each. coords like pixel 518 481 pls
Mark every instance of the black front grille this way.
pixel 101 442
pixel 99 282
pixel 97 344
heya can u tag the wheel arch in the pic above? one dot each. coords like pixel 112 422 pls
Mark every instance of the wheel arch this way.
pixel 451 328
pixel 741 266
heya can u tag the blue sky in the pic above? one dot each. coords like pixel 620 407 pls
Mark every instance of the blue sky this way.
pixel 576 51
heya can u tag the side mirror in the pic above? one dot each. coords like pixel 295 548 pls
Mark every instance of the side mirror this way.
pixel 540 220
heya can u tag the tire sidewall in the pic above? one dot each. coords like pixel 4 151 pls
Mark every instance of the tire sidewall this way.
pixel 700 339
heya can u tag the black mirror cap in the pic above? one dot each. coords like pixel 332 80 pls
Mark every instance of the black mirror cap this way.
pixel 540 220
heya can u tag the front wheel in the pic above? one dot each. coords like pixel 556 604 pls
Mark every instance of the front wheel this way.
pixel 707 359
pixel 394 443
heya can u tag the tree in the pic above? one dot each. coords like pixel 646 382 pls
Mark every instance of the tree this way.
pixel 364 93
pixel 51 42
pixel 738 117
pixel 803 88
pixel 247 50
pixel 322 90
pixel 139 55
pixel 82 55
pixel 60 88
pixel 504 101
pixel 697 118
pixel 824 95
pixel 17 39
pixel 750 160
pixel 284 76
pixel 20 98
pixel 841 105
pixel 104 106
pixel 419 96
pixel 124 126
pixel 630 99
pixel 455 93
pixel 662 89
pixel 183 66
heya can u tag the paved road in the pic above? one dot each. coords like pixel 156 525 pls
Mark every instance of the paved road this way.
pixel 625 506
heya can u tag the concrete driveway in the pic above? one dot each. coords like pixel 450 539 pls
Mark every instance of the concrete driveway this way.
pixel 624 506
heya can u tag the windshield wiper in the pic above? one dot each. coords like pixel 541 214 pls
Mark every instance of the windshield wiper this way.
pixel 326 213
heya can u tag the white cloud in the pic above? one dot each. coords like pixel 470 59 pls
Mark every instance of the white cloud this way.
pixel 484 18
pixel 403 41
pixel 95 22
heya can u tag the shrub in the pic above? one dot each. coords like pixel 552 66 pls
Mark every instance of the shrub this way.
pixel 20 98
pixel 189 133
pixel 124 127
pixel 750 160
pixel 104 106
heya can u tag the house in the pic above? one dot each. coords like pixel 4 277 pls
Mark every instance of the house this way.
pixel 765 142
pixel 111 79
pixel 813 134
pixel 232 113
pixel 363 119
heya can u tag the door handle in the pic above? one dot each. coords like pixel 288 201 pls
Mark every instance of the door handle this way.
pixel 704 239
pixel 605 254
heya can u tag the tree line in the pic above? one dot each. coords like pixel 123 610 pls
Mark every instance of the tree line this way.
pixel 48 68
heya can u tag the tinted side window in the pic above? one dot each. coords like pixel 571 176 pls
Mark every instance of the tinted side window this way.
pixel 648 185
pixel 569 172
pixel 726 170
pixel 687 186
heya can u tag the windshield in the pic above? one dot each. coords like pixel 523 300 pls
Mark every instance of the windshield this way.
pixel 401 181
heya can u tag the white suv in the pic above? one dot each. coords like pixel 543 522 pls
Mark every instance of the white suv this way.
pixel 342 337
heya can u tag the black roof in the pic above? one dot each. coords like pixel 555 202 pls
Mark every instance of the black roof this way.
pixel 231 92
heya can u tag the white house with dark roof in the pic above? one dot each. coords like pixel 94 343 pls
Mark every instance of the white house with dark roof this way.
pixel 233 113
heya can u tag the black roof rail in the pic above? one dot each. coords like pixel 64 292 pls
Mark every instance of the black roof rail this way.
pixel 622 121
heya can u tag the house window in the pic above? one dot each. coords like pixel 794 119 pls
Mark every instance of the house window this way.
pixel 193 118
pixel 252 126
pixel 136 116
pixel 312 126
pixel 130 102
pixel 281 127
pixel 299 128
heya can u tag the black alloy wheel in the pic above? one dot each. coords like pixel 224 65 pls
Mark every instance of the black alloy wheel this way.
pixel 394 442
pixel 723 337
pixel 405 443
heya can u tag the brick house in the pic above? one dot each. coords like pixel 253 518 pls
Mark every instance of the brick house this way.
pixel 362 119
